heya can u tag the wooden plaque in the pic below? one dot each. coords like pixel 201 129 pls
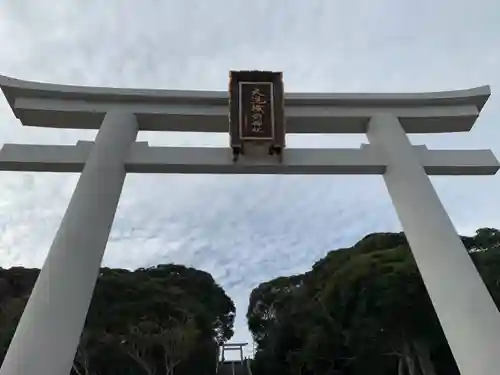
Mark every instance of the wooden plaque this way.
pixel 256 108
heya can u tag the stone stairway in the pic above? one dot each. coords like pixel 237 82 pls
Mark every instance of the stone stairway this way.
pixel 233 368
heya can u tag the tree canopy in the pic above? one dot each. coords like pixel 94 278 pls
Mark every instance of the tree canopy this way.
pixel 359 309
pixel 169 319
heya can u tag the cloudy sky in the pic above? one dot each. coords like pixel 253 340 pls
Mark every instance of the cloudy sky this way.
pixel 244 229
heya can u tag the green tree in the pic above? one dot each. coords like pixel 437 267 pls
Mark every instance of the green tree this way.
pixel 359 309
pixel 138 321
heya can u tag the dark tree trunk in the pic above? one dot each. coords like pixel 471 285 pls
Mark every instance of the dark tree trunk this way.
pixel 424 358
pixel 410 359
pixel 401 366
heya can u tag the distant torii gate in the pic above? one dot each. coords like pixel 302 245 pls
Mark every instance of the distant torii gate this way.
pixel 232 347
pixel 48 333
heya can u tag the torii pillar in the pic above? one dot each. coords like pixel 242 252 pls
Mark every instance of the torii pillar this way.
pixel 47 335
pixel 465 308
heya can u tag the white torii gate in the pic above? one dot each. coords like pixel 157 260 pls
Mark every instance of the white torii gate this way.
pixel 48 333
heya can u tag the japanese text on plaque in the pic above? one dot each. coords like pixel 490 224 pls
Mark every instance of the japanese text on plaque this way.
pixel 258 101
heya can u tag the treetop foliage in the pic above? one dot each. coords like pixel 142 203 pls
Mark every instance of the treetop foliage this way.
pixel 167 319
pixel 359 309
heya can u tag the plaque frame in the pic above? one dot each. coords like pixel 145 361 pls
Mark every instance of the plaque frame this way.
pixel 275 129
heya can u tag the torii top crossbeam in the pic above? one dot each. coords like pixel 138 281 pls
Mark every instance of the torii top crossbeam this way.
pixel 77 107
pixel 47 335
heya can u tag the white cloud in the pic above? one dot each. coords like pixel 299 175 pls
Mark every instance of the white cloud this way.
pixel 243 229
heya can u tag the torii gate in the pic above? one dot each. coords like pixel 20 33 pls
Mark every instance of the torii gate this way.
pixel 48 333
pixel 232 347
